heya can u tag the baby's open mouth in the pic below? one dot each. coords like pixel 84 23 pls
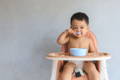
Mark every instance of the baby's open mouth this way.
pixel 78 33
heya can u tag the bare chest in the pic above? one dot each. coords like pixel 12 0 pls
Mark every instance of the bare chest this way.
pixel 78 43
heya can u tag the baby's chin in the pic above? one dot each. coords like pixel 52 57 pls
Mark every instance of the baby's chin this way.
pixel 78 36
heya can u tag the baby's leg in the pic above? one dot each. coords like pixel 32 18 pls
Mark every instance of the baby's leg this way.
pixel 91 70
pixel 67 71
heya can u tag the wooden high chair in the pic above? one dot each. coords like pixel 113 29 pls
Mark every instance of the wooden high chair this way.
pixel 58 59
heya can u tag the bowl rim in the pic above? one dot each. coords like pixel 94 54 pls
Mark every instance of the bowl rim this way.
pixel 78 49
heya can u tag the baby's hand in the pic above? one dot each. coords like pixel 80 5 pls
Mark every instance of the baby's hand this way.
pixel 70 31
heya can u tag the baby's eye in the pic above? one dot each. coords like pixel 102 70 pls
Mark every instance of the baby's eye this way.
pixel 81 27
pixel 75 28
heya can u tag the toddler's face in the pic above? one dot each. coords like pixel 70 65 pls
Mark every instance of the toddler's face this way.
pixel 79 27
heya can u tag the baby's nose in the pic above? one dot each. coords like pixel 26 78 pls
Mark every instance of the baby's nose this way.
pixel 79 29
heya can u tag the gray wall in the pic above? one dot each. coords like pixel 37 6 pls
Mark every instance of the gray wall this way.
pixel 29 28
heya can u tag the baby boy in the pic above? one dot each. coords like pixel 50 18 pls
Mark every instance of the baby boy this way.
pixel 75 37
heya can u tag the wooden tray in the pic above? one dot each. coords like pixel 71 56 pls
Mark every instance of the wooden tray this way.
pixel 91 56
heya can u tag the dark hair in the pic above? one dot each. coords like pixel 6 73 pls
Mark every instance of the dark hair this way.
pixel 80 16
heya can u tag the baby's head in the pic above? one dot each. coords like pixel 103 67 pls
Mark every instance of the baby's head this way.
pixel 79 23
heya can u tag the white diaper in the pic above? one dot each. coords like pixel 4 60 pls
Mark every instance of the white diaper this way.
pixel 79 66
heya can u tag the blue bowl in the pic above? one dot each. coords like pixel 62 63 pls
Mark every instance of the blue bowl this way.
pixel 78 51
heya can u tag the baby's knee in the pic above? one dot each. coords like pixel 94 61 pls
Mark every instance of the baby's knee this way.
pixel 89 67
pixel 67 71
pixel 69 67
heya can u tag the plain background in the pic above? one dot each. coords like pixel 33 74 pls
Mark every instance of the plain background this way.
pixel 29 28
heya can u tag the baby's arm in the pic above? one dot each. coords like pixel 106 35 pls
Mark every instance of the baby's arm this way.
pixel 63 38
pixel 92 48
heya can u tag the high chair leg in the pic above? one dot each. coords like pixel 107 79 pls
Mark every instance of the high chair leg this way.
pixel 103 70
pixel 54 70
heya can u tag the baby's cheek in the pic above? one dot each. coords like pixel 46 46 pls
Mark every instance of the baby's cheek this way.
pixel 84 32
